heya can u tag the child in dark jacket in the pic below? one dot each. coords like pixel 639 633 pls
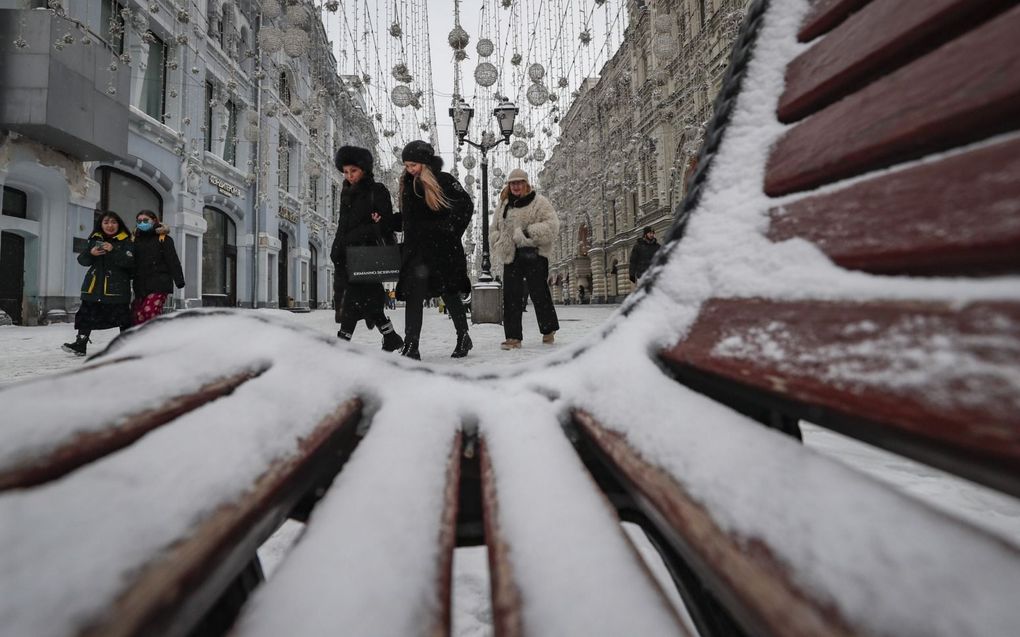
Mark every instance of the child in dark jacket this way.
pixel 106 290
pixel 157 268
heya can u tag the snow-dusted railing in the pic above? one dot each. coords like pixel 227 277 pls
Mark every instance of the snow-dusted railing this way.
pixel 817 272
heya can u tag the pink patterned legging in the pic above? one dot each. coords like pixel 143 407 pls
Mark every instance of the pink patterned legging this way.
pixel 148 307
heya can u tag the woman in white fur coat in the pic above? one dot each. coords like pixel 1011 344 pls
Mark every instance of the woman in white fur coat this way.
pixel 521 239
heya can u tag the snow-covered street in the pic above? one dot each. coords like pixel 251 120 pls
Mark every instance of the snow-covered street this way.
pixel 32 352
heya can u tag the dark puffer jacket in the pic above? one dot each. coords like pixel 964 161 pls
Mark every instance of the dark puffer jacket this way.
pixel 434 237
pixel 108 279
pixel 157 266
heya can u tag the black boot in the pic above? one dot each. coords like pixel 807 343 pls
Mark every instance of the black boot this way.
pixel 410 348
pixel 344 336
pixel 464 344
pixel 391 341
pixel 79 345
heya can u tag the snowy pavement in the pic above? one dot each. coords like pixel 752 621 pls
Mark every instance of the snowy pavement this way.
pixel 29 352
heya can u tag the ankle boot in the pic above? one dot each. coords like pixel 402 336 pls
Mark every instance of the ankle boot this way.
pixel 464 344
pixel 391 341
pixel 78 347
pixel 344 336
pixel 410 348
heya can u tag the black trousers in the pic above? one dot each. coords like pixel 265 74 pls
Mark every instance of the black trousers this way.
pixel 362 301
pixel 529 268
pixel 414 296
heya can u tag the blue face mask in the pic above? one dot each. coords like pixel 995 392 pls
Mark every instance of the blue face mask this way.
pixel 145 226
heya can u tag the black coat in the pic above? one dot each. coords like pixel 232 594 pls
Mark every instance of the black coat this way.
pixel 108 279
pixel 354 224
pixel 641 257
pixel 157 266
pixel 434 237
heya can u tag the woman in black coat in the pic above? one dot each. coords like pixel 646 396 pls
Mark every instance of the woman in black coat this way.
pixel 157 268
pixel 366 218
pixel 106 289
pixel 435 211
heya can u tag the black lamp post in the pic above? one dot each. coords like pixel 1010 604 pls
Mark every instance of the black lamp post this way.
pixel 505 115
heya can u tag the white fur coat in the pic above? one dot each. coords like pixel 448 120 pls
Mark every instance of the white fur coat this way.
pixel 534 225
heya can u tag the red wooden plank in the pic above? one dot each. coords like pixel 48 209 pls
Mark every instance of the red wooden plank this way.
pixel 873 42
pixel 448 540
pixel 825 15
pixel 962 92
pixel 957 216
pixel 931 380
pixel 507 620
pixel 86 447
pixel 757 588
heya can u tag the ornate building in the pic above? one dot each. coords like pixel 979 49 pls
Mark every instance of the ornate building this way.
pixel 629 139
pixel 220 115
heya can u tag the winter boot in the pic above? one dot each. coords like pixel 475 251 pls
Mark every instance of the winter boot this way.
pixel 549 338
pixel 464 344
pixel 344 336
pixel 391 341
pixel 410 349
pixel 78 347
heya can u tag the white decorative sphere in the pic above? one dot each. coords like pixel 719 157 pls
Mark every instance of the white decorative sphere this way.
pixel 297 16
pixel 469 180
pixel 271 9
pixel 497 172
pixel 539 154
pixel 664 46
pixel 663 23
pixel 519 149
pixel 401 95
pixel 270 39
pixel 295 42
pixel 486 74
pixel 458 38
pixel 537 94
pixel 485 47
pixel 536 72
pixel 470 162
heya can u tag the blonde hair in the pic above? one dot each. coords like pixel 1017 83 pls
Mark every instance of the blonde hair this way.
pixel 434 197
pixel 505 193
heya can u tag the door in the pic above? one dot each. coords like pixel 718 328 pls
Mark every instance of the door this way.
pixel 282 272
pixel 313 279
pixel 12 275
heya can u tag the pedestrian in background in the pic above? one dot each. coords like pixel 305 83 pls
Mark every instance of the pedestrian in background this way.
pixel 435 211
pixel 157 268
pixel 641 254
pixel 106 289
pixel 521 238
pixel 366 218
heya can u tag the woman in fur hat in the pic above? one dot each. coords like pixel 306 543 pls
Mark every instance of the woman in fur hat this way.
pixel 435 210
pixel 521 236
pixel 366 218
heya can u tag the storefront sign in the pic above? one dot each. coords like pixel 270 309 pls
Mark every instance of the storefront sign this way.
pixel 288 214
pixel 225 188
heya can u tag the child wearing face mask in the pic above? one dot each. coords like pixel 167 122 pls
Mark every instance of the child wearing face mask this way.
pixel 157 268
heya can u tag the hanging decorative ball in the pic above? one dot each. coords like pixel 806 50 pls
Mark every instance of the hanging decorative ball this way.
pixel 536 72
pixel 485 47
pixel 270 39
pixel 519 130
pixel 455 172
pixel 153 8
pixel 251 133
pixel 585 37
pixel 295 42
pixel 424 127
pixel 539 154
pixel 401 74
pixel 600 2
pixel 313 169
pixel 271 9
pixel 497 172
pixel 181 39
pixel 661 78
pixel 516 59
pixel 664 46
pixel 396 30
pixel 332 5
pixel 553 97
pixel 519 149
pixel 663 23
pixel 563 82
pixel 378 117
pixel 486 74
pixel 111 89
pixel 507 4
pixel 458 38
pixel 401 96
pixel 537 94
pixel 469 180
pixel 297 16
pixel 460 55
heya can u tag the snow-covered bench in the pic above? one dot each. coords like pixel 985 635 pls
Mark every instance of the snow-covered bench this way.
pixel 815 273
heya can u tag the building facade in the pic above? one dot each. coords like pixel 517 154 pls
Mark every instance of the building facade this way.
pixel 223 118
pixel 629 139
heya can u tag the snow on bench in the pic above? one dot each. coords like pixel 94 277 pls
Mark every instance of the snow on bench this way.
pixel 814 273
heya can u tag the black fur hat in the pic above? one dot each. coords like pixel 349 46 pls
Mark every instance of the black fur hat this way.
pixel 419 151
pixel 355 156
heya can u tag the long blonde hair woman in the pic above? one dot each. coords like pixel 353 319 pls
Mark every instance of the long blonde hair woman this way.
pixel 435 211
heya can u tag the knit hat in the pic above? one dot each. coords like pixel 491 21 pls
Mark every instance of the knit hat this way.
pixel 647 230
pixel 517 175
pixel 418 151
pixel 354 156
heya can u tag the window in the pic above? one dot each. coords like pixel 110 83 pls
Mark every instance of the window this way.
pixel 701 13
pixel 15 203
pixel 284 168
pixel 334 201
pixel 313 190
pixel 111 24
pixel 284 89
pixel 126 194
pixel 219 259
pixel 209 92
pixel 154 82
pixel 230 144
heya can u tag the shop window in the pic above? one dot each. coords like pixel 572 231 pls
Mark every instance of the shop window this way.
pixel 219 259
pixel 126 194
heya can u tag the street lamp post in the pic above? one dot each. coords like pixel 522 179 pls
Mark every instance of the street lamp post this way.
pixel 485 303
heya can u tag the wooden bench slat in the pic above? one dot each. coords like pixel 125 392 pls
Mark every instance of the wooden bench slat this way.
pixel 932 381
pixel 957 216
pixel 962 92
pixel 77 449
pixel 754 529
pixel 825 15
pixel 560 562
pixel 376 556
pixel 872 42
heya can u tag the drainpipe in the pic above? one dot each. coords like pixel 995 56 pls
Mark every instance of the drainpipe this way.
pixel 258 171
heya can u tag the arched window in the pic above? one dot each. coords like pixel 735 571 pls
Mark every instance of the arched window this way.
pixel 284 89
pixel 219 259
pixel 126 194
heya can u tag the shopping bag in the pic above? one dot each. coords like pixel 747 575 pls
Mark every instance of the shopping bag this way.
pixel 373 264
